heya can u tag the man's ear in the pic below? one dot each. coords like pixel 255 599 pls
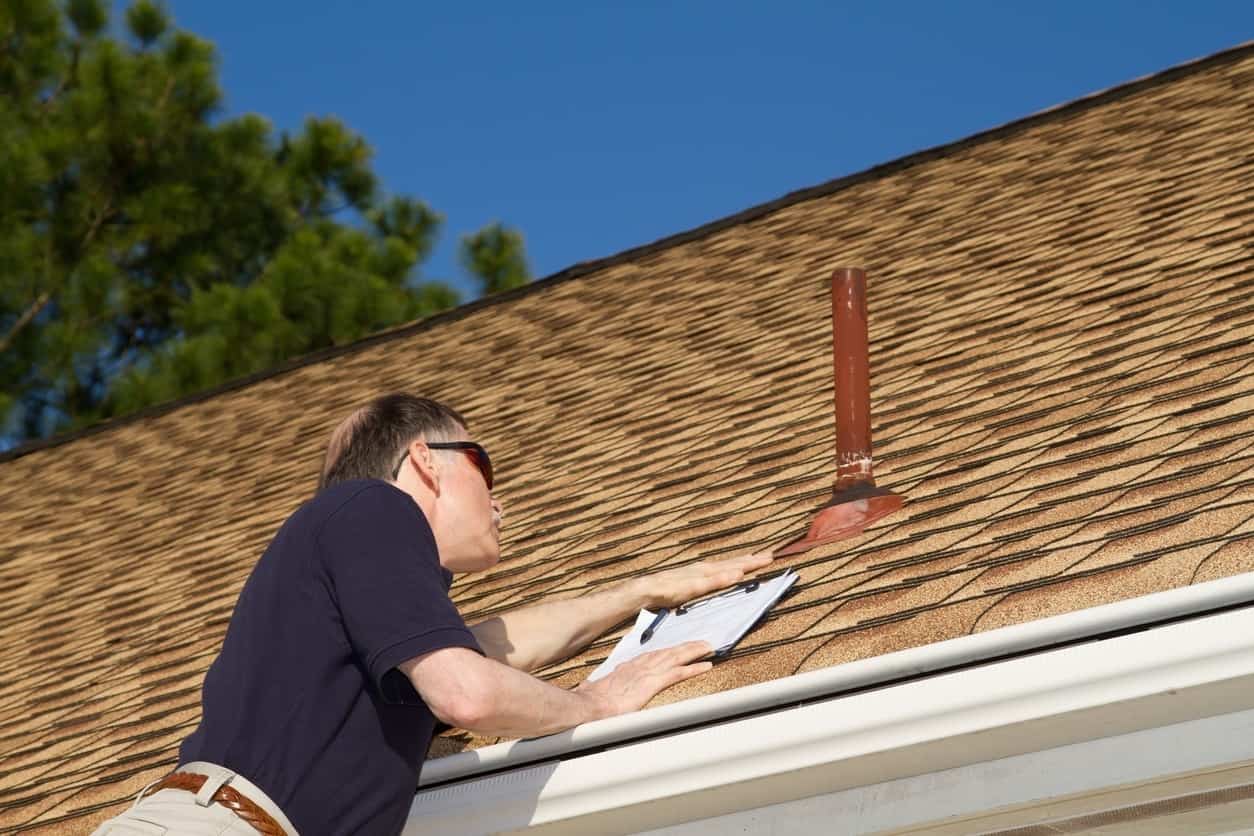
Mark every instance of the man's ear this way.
pixel 425 465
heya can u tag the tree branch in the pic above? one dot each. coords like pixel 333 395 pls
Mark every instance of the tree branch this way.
pixel 41 302
pixel 71 76
pixel 165 93
pixel 105 211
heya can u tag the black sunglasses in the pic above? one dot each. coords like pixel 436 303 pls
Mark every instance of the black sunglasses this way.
pixel 477 454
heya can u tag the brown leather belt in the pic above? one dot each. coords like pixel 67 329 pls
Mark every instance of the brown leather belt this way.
pixel 230 798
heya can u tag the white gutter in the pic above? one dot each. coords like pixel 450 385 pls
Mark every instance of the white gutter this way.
pixel 892 667
pixel 1173 673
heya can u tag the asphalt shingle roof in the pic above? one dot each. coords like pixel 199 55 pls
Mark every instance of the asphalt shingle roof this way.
pixel 1061 324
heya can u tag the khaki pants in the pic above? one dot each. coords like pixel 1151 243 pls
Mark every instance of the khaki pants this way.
pixel 171 812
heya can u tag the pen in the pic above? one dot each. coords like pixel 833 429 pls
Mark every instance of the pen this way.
pixel 657 619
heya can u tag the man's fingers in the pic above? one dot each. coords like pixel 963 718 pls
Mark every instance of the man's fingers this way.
pixel 680 654
pixel 746 563
pixel 757 560
pixel 760 559
pixel 694 650
pixel 728 572
pixel 710 575
pixel 689 671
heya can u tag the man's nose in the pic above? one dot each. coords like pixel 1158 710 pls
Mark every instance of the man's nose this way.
pixel 496 506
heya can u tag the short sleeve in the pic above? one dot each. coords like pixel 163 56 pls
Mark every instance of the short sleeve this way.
pixel 392 593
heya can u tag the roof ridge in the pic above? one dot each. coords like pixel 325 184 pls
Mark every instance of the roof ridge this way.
pixel 579 269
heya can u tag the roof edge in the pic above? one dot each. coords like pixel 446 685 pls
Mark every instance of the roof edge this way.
pixel 583 268
pixel 963 652
pixel 1151 679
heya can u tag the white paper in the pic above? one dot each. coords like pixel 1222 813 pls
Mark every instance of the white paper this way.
pixel 721 621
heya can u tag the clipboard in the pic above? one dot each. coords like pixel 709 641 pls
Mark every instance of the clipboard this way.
pixel 722 620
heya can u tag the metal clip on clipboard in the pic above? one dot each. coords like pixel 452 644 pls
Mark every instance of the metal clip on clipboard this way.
pixel 744 586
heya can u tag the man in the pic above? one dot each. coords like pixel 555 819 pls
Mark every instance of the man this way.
pixel 344 648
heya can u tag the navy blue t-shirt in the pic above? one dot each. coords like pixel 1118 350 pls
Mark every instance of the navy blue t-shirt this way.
pixel 305 700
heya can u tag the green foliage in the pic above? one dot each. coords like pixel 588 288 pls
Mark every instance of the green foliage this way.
pixel 87 16
pixel 147 21
pixel 496 255
pixel 148 251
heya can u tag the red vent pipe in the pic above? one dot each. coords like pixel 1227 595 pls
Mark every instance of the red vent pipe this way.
pixel 856 502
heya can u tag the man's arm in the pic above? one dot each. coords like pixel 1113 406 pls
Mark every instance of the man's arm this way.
pixel 470 692
pixel 532 637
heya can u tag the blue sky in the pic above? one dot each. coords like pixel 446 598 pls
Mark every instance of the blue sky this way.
pixel 595 127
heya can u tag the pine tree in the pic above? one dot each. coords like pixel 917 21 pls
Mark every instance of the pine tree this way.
pixel 149 250
pixel 495 255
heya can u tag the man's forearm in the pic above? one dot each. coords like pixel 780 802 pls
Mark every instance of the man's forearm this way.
pixel 532 637
pixel 467 691
pixel 523 706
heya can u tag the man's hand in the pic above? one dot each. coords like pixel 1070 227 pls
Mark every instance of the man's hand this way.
pixel 682 584
pixel 632 684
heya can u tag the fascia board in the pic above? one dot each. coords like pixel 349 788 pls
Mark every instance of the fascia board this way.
pixel 1169 674
pixel 1054 785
